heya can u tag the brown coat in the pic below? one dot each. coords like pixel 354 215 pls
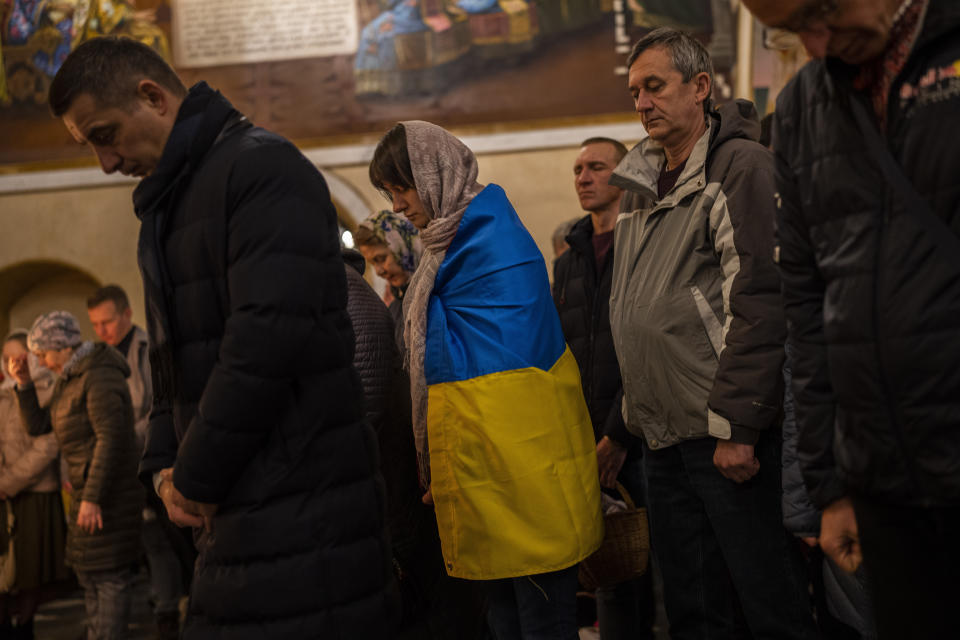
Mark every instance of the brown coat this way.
pixel 92 416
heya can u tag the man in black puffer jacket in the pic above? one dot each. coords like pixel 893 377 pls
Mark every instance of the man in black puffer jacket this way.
pixel 871 282
pixel 257 436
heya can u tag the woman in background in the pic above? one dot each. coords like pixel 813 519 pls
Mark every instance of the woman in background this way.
pixel 30 492
pixel 91 415
pixel 392 246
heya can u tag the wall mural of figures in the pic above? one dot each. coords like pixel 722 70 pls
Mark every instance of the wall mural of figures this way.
pixel 37 35
pixel 488 63
pixel 424 46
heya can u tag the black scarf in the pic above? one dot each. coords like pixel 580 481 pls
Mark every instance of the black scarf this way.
pixel 199 122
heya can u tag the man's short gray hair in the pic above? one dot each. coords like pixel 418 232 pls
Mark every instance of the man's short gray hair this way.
pixel 688 54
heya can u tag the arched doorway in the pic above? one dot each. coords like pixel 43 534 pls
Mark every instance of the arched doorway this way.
pixel 30 288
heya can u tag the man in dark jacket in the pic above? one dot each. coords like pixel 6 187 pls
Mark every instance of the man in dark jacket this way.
pixel 112 319
pixel 581 291
pixel 868 224
pixel 257 436
pixel 435 606
pixel 698 328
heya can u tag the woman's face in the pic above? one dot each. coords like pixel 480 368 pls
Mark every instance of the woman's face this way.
pixel 407 201
pixel 55 359
pixel 12 350
pixel 385 264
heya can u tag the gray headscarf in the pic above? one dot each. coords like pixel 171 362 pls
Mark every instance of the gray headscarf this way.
pixel 54 331
pixel 445 173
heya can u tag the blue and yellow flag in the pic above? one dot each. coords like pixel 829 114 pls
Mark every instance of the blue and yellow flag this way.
pixel 512 452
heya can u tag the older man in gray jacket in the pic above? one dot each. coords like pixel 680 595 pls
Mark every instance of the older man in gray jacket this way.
pixel 699 332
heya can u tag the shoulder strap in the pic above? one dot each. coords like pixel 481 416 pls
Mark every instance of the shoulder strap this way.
pixel 941 233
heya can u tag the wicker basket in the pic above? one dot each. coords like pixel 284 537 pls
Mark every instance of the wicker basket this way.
pixel 625 549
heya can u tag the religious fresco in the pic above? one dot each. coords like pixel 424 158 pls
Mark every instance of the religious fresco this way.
pixel 425 46
pixel 37 35
pixel 496 64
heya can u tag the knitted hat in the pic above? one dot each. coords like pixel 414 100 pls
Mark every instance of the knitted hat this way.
pixel 54 331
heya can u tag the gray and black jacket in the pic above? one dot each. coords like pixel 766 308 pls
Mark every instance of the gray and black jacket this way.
pixel 695 304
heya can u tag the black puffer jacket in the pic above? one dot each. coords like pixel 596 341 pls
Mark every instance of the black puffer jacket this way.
pixel 386 390
pixel 435 606
pixel 800 517
pixel 582 297
pixel 872 297
pixel 255 397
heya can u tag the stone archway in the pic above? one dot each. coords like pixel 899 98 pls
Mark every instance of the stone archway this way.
pixel 30 288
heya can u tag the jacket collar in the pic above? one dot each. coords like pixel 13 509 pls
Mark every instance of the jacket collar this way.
pixel 581 234
pixel 76 362
pixel 640 169
pixel 200 121
pixel 942 17
pixel 354 259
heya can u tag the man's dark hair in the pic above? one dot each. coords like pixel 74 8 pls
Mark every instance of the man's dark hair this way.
pixel 109 69
pixel 618 146
pixel 112 293
pixel 391 162
pixel 688 54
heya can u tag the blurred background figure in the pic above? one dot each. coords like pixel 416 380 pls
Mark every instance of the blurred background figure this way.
pixel 392 246
pixel 31 504
pixel 435 606
pixel 559 237
pixel 91 414
pixel 112 319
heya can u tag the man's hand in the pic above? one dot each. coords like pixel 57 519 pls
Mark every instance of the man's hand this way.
pixel 20 370
pixel 735 461
pixel 839 537
pixel 183 512
pixel 610 457
pixel 427 498
pixel 90 517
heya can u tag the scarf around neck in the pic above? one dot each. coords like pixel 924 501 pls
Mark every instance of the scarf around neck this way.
pixel 445 174
pixel 200 120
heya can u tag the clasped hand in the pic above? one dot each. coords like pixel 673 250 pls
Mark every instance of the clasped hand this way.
pixel 181 511
pixel 735 461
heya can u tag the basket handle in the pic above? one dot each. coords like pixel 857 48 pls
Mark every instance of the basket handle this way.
pixel 626 496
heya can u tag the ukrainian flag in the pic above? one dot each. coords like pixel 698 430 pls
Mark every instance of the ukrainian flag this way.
pixel 512 453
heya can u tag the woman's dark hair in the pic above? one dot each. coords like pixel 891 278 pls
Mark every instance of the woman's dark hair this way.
pixel 17 335
pixel 391 162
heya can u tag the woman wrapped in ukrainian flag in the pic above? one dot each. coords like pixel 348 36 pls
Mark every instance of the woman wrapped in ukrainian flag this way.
pixel 503 436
